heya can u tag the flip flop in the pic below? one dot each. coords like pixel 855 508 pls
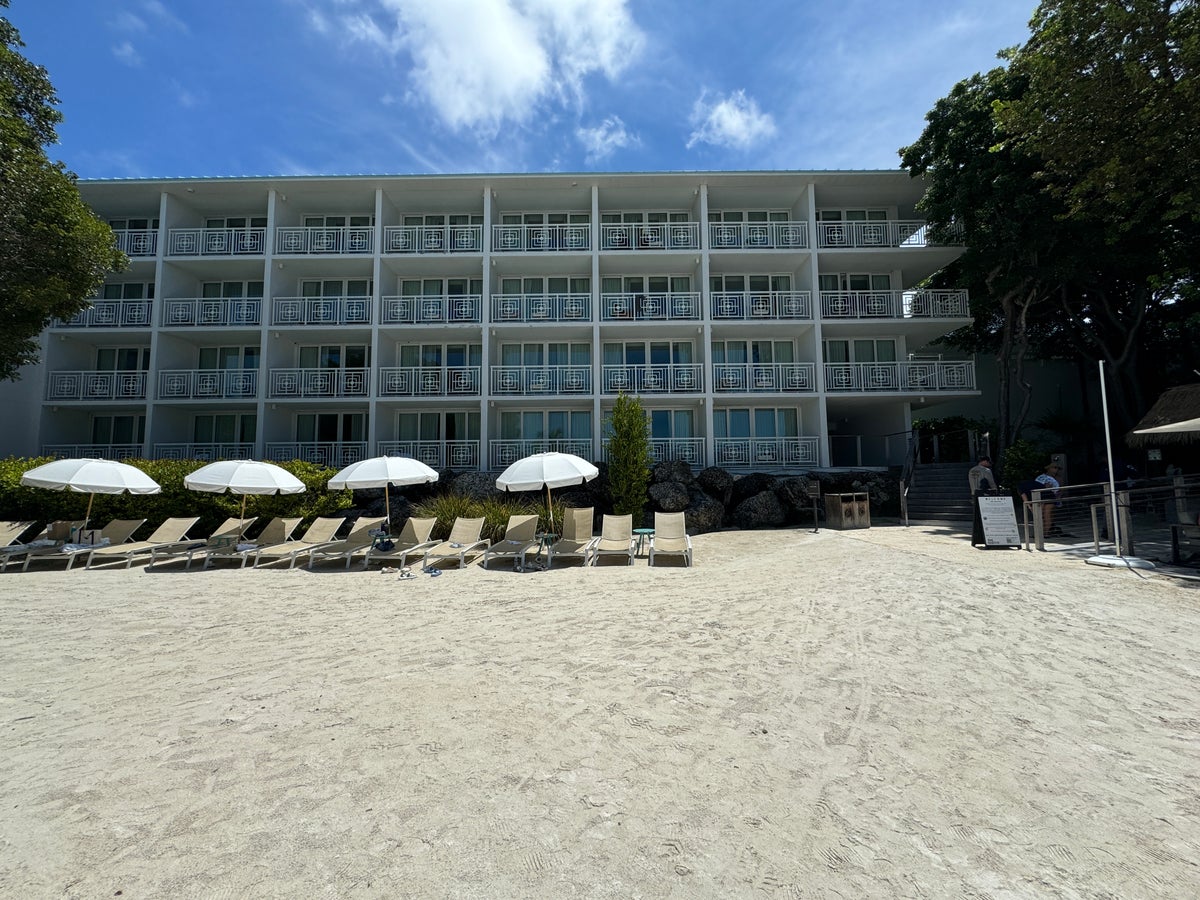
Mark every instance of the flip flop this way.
pixel 406 576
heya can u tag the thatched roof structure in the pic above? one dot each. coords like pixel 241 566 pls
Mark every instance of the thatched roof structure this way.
pixel 1175 418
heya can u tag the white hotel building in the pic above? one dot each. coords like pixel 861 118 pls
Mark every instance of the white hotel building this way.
pixel 769 321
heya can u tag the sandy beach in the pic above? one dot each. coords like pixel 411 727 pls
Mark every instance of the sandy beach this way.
pixel 876 713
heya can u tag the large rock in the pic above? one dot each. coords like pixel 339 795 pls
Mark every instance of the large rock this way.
pixel 675 470
pixel 717 483
pixel 760 511
pixel 751 485
pixel 793 494
pixel 669 496
pixel 704 514
pixel 476 485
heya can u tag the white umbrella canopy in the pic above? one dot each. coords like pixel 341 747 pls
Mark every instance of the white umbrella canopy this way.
pixel 1173 428
pixel 381 471
pixel 548 470
pixel 92 477
pixel 243 476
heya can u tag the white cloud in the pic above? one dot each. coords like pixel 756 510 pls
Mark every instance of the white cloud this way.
pixel 128 22
pixel 124 52
pixel 606 138
pixel 733 121
pixel 160 12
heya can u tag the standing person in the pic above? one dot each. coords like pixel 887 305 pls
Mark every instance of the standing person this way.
pixel 981 477
pixel 1049 479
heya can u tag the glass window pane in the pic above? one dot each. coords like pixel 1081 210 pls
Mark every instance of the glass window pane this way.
pixel 202 429
pixel 788 425
pixel 581 425
pixel 885 351
pixel 739 423
pixel 720 423
pixel 764 423
pixel 208 357
pixel 556 424
pixel 683 423
pixel 531 426
pixel 356 358
pixel 864 351
pixel 249 428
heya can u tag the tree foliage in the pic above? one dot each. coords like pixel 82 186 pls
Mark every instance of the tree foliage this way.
pixel 54 251
pixel 629 457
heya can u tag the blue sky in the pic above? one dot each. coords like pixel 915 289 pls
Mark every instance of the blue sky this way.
pixel 162 88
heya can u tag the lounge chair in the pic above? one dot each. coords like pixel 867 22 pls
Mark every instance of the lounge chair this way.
pixel 577 539
pixel 616 539
pixel 670 537
pixel 277 531
pixel 226 535
pixel 321 531
pixel 464 538
pixel 413 539
pixel 10 531
pixel 519 538
pixel 115 533
pixel 49 540
pixel 359 540
pixel 172 531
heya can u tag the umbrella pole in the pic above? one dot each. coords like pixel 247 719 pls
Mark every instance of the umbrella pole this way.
pixel 550 508
pixel 387 508
pixel 242 520
pixel 87 515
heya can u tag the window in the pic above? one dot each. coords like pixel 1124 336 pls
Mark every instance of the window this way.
pixel 441 287
pixel 861 350
pixel 517 425
pixel 855 281
pixel 667 424
pixel 234 290
pixel 129 290
pixel 336 287
pixel 134 224
pixel 331 427
pixel 123 359
pixel 432 355
pixel 334 356
pixel 229 358
pixel 337 221
pixel 224 428
pixel 637 353
pixel 542 286
pixel 552 354
pixel 236 222
pixel 759 422
pixel 437 426
pixel 118 429
pixel 754 283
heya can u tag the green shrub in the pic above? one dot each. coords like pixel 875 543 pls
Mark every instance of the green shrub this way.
pixel 629 458
pixel 446 508
pixel 1023 461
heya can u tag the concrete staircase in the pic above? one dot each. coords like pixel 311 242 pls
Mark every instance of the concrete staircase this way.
pixel 939 493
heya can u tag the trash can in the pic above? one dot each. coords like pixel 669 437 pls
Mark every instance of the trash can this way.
pixel 848 510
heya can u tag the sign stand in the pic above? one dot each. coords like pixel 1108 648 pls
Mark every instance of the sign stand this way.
pixel 998 519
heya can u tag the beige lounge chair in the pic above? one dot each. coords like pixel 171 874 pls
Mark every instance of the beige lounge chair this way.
pixel 464 538
pixel 321 531
pixel 172 531
pixel 49 540
pixel 115 533
pixel 616 539
pixel 10 531
pixel 520 536
pixel 226 535
pixel 670 537
pixel 577 539
pixel 413 539
pixel 358 540
pixel 277 531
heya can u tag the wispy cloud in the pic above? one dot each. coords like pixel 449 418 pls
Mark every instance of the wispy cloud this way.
pixel 160 12
pixel 734 121
pixel 126 54
pixel 605 139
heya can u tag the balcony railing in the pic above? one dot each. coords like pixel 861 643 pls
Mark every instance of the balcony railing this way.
pixel 777 452
pixel 184 312
pixel 689 450
pixel 433 239
pixel 206 452
pixel 320 382
pixel 541 238
pixel 335 455
pixel 112 314
pixel 668 307
pixel 894 304
pixel 747 306
pixel 440 309
pixel 503 453
pixel 906 377
pixel 541 379
pixel 650 236
pixel 542 308
pixel 435 454
pixel 321 311
pixel 197 384
pixel 653 378
pixel 424 381
pixel 93 451
pixel 780 378
pixel 758 235
pixel 137 242
pixel 217 241
pixel 338 239
pixel 891 233
pixel 96 386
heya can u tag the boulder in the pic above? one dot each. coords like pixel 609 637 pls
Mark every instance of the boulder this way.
pixel 476 485
pixel 717 483
pixel 669 470
pixel 751 485
pixel 669 496
pixel 704 514
pixel 763 510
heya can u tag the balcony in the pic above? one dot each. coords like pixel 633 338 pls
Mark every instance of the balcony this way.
pixel 650 236
pixel 890 233
pixel 900 377
pixel 321 311
pixel 112 314
pixel 541 238
pixel 464 308
pixel 93 451
pixel 186 312
pixel 503 453
pixel 689 450
pixel 433 239
pixel 435 454
pixel 205 452
pixel 518 380
pixel 655 378
pixel 758 235
pixel 766 378
pixel 759 453
pixel 542 308
pixel 334 455
pixel 96 386
pixel 759 306
pixel 664 307
pixel 357 239
pixel 136 243
pixel 217 241
pixel 894 304
pixel 203 384
pixel 427 381
pixel 320 383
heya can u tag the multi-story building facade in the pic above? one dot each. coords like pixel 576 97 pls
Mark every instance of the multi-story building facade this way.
pixel 767 321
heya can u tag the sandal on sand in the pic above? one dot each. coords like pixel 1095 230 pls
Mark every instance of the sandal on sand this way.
pixel 387 570
pixel 434 573
pixel 406 576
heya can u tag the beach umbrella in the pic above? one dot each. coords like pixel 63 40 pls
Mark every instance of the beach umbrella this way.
pixel 546 470
pixel 245 477
pixel 91 477
pixel 382 471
